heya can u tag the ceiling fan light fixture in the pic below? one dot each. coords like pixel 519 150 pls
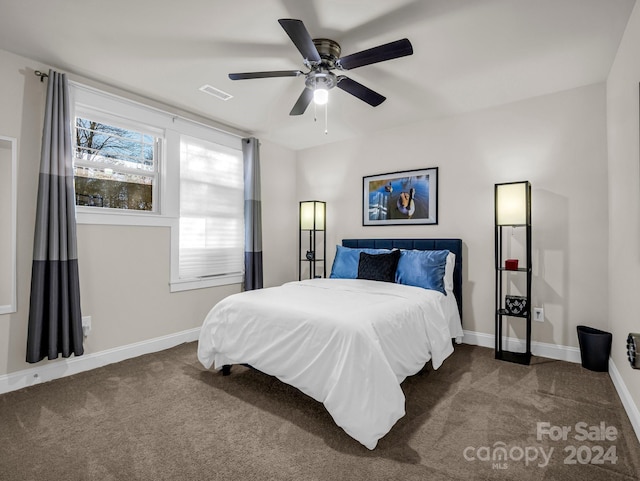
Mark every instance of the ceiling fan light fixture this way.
pixel 321 81
pixel 320 95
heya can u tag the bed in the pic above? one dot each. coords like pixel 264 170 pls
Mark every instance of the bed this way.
pixel 345 341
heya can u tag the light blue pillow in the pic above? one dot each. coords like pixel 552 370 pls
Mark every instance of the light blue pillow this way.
pixel 422 269
pixel 345 263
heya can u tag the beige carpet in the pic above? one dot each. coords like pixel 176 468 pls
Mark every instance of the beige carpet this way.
pixel 163 417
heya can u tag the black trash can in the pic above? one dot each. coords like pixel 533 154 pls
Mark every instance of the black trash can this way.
pixel 595 348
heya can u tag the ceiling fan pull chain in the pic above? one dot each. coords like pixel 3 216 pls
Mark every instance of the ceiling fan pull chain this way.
pixel 326 118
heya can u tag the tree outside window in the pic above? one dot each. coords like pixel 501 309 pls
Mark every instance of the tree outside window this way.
pixel 114 167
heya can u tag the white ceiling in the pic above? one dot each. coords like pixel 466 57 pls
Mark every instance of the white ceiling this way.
pixel 468 54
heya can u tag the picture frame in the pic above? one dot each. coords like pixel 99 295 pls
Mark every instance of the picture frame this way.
pixel 408 197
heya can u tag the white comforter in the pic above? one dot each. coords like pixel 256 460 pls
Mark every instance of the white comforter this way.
pixel 347 343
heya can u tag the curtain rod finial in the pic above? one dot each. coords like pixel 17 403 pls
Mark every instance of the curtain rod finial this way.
pixel 41 75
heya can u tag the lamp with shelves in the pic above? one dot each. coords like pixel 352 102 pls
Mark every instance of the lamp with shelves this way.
pixel 313 220
pixel 512 211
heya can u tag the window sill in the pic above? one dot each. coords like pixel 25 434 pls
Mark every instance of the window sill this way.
pixel 115 217
pixel 190 284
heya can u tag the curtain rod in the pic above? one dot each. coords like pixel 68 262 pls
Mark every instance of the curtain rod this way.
pixel 242 135
pixel 162 108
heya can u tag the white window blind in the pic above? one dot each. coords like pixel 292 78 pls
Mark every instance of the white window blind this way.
pixel 211 234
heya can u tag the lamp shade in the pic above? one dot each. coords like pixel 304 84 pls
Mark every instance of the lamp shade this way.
pixel 312 215
pixel 513 203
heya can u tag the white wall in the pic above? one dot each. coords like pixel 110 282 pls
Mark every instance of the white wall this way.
pixel 624 201
pixel 558 142
pixel 124 271
pixel 279 214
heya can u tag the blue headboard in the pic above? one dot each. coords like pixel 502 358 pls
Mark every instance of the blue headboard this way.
pixel 453 245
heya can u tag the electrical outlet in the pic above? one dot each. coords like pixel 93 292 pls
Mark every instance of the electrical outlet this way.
pixel 538 314
pixel 86 325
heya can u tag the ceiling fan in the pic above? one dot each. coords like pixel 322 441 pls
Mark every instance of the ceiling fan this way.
pixel 321 56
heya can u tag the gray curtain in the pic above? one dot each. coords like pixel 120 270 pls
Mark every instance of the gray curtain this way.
pixel 55 321
pixel 252 215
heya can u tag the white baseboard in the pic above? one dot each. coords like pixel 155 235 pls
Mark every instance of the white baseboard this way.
pixel 542 349
pixel 561 353
pixel 625 396
pixel 66 367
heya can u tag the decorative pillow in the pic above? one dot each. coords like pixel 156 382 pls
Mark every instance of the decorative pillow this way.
pixel 345 263
pixel 424 269
pixel 378 267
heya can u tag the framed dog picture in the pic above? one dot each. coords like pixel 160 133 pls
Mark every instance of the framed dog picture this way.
pixel 401 198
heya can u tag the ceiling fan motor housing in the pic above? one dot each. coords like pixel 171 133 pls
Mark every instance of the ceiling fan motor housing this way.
pixel 320 75
pixel 329 51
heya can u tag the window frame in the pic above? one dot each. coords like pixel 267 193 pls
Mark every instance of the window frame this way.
pixel 94 104
pixel 115 121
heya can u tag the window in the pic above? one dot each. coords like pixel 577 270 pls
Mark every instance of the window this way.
pixel 120 163
pixel 211 236
pixel 114 167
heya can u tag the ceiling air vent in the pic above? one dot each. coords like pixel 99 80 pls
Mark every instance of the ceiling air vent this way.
pixel 216 92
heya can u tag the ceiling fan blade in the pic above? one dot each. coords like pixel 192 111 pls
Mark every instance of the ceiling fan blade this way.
pixel 301 38
pixel 303 102
pixel 388 51
pixel 363 93
pixel 274 73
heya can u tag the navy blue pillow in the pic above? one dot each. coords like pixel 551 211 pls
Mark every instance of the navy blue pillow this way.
pixel 422 269
pixel 378 267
